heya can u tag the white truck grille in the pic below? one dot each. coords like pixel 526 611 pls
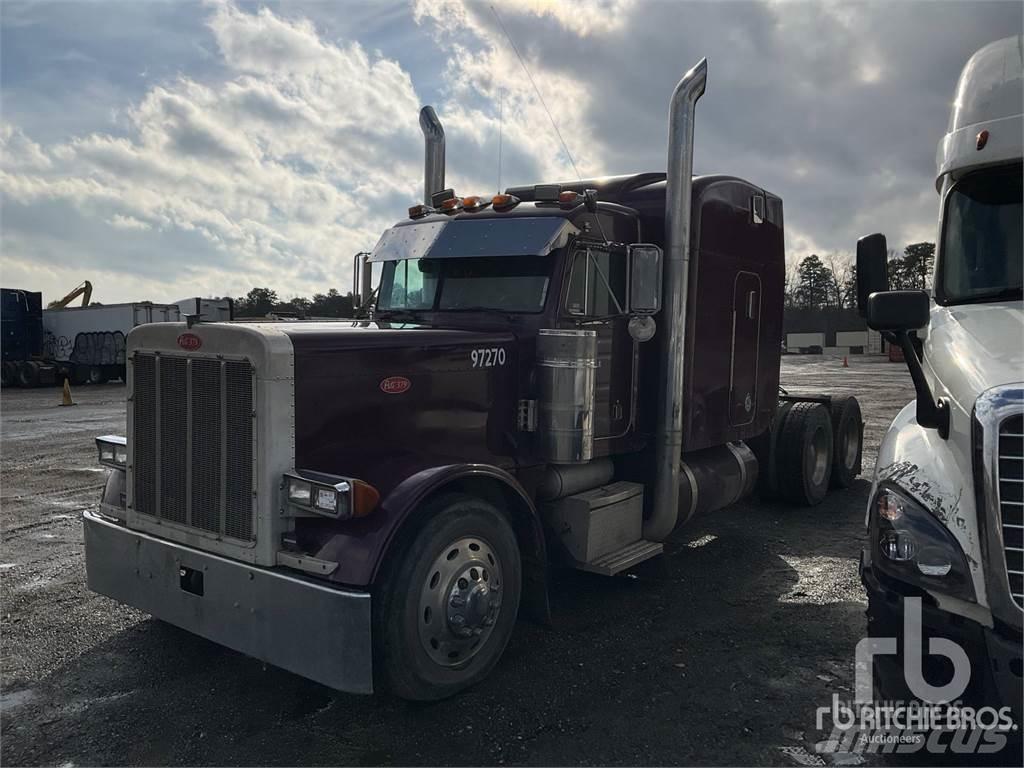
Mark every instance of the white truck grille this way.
pixel 1011 501
pixel 193 443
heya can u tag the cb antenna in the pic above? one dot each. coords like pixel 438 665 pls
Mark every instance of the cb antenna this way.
pixel 537 91
pixel 501 98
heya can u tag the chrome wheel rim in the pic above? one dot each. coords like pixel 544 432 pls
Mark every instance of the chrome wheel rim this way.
pixel 459 601
pixel 850 446
pixel 819 456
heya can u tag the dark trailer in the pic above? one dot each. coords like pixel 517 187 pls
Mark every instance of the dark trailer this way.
pixel 558 374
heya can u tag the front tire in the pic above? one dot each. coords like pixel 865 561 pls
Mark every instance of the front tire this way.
pixel 448 600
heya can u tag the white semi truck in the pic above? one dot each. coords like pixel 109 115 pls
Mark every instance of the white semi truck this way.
pixel 946 514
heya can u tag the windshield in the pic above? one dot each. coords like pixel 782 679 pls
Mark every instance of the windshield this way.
pixel 981 252
pixel 505 283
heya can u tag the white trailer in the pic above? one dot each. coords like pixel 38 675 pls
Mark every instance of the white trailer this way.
pixel 207 310
pixel 87 344
pixel 852 339
pixel 805 342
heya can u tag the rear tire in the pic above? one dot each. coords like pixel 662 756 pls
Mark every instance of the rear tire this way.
pixel 97 375
pixel 28 374
pixel 7 374
pixel 766 449
pixel 805 454
pixel 448 600
pixel 847 441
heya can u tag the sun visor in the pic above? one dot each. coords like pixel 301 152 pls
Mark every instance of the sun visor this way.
pixel 462 238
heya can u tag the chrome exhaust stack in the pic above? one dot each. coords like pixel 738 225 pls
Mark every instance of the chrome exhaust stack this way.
pixel 678 194
pixel 433 162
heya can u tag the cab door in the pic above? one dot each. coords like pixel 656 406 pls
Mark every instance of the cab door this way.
pixel 596 299
pixel 746 330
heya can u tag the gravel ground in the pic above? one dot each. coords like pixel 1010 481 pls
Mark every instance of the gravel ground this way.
pixel 717 653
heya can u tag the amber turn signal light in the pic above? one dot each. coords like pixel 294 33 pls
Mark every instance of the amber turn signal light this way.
pixel 364 498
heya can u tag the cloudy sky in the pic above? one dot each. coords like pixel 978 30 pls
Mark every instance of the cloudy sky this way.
pixel 172 149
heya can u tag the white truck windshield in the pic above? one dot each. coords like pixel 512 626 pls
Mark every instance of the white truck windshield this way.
pixel 505 283
pixel 981 256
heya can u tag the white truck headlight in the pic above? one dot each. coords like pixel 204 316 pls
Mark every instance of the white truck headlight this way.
pixel 319 493
pixel 912 545
pixel 113 451
pixel 299 491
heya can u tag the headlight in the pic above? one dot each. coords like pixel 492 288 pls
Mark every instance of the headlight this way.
pixel 910 544
pixel 322 494
pixel 299 491
pixel 113 451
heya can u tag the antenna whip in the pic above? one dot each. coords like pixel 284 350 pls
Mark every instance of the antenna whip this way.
pixel 537 91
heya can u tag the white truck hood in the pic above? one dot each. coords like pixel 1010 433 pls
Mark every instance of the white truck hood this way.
pixel 973 347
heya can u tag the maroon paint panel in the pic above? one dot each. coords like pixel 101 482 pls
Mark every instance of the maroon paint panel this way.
pixel 730 248
pixel 388 405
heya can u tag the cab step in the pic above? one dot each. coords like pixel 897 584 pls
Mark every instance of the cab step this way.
pixel 620 559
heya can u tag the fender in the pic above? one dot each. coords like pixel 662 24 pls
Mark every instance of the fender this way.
pixel 360 546
pixel 410 494
pixel 939 476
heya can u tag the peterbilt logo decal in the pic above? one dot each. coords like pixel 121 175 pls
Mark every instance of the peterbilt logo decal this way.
pixel 395 385
pixel 189 342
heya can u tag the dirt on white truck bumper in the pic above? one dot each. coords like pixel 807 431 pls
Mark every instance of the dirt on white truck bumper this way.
pixel 313 630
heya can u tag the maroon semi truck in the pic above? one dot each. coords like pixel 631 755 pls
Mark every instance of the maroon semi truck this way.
pixel 560 374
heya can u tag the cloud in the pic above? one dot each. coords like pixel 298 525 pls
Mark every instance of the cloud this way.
pixel 267 147
pixel 276 173
pixel 835 107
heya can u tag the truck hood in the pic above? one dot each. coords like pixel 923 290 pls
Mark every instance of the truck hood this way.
pixel 364 334
pixel 971 348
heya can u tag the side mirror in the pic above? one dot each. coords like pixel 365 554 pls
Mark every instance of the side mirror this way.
pixel 872 269
pixel 644 278
pixel 898 310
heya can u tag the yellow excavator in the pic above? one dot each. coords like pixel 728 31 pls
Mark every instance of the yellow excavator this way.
pixel 84 290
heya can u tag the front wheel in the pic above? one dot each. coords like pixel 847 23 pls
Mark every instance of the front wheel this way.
pixel 448 600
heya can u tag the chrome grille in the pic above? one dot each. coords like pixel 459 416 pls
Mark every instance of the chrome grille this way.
pixel 1010 475
pixel 193 443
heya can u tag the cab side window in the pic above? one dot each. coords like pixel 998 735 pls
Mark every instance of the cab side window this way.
pixel 597 284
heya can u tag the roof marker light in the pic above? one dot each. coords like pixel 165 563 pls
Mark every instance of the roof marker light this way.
pixel 475 203
pixel 504 202
pixel 568 197
pixel 451 205
pixel 419 211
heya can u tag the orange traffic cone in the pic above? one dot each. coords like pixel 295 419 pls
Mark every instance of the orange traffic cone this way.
pixel 66 400
pixel 845 363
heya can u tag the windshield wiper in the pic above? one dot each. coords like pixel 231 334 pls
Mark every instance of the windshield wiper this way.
pixel 997 295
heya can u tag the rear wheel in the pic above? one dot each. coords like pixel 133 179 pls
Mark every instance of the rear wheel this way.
pixel 766 448
pixel 805 454
pixel 847 440
pixel 97 375
pixel 448 600
pixel 28 374
pixel 7 374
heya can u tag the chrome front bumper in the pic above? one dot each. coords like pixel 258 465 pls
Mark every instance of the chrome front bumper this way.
pixel 313 630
